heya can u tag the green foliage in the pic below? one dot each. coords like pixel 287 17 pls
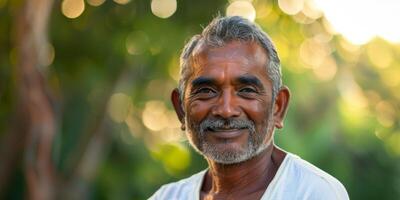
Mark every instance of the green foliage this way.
pixel 345 122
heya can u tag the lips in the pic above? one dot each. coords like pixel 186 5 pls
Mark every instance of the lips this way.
pixel 225 133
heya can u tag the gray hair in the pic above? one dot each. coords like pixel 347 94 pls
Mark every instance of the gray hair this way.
pixel 226 29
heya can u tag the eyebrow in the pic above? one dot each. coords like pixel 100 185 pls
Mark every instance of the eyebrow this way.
pixel 250 80
pixel 245 80
pixel 203 81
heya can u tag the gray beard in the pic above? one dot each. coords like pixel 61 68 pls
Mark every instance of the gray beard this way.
pixel 255 145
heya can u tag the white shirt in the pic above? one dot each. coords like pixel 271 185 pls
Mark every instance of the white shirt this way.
pixel 296 179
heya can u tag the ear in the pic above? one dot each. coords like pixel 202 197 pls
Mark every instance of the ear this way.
pixel 177 103
pixel 281 105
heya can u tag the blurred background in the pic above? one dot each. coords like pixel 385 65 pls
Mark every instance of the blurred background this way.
pixel 85 86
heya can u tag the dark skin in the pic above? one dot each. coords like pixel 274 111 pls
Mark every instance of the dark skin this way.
pixel 231 82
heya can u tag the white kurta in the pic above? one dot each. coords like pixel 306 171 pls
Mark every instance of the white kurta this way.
pixel 296 179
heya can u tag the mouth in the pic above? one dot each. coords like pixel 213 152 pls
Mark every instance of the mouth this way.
pixel 226 133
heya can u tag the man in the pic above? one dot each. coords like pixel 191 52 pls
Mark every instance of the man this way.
pixel 229 100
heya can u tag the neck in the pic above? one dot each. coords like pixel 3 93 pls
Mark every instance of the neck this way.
pixel 246 177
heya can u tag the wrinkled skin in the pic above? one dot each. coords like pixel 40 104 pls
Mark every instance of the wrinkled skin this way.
pixel 230 85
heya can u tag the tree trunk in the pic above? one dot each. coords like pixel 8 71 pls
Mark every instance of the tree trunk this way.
pixel 36 113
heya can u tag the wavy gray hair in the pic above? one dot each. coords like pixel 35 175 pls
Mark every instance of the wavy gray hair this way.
pixel 222 30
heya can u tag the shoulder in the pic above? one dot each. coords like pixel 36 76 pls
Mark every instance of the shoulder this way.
pixel 314 182
pixel 180 189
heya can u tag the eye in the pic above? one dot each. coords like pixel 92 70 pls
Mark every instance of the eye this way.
pixel 247 90
pixel 204 91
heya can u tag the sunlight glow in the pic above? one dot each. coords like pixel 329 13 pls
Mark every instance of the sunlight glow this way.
pixel 360 21
pixel 310 10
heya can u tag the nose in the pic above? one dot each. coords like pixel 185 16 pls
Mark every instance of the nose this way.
pixel 226 106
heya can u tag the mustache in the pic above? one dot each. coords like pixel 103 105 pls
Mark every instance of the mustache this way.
pixel 229 123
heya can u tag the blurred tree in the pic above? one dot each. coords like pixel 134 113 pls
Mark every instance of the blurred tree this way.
pixel 35 120
pixel 85 114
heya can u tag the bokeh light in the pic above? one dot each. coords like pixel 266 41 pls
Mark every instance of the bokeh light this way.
pixel 326 70
pixel 154 115
pixel 311 10
pixel 134 125
pixel 379 54
pixel 163 8
pixel 159 89
pixel 263 9
pixel 119 107
pixel 349 47
pixel 95 2
pixel 72 8
pixel 114 66
pixel 122 2
pixel 291 7
pixel 313 52
pixel 391 77
pixel 386 113
pixel 241 8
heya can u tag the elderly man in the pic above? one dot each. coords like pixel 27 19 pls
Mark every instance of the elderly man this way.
pixel 229 100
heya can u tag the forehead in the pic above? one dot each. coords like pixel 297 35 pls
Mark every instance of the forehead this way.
pixel 236 56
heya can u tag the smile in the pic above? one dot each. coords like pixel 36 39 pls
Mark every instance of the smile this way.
pixel 226 133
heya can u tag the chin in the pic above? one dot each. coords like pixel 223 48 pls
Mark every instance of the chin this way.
pixel 229 151
pixel 230 155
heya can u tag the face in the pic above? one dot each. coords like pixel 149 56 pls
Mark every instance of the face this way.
pixel 228 106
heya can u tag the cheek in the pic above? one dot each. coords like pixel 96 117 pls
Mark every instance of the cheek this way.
pixel 257 111
pixel 197 111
